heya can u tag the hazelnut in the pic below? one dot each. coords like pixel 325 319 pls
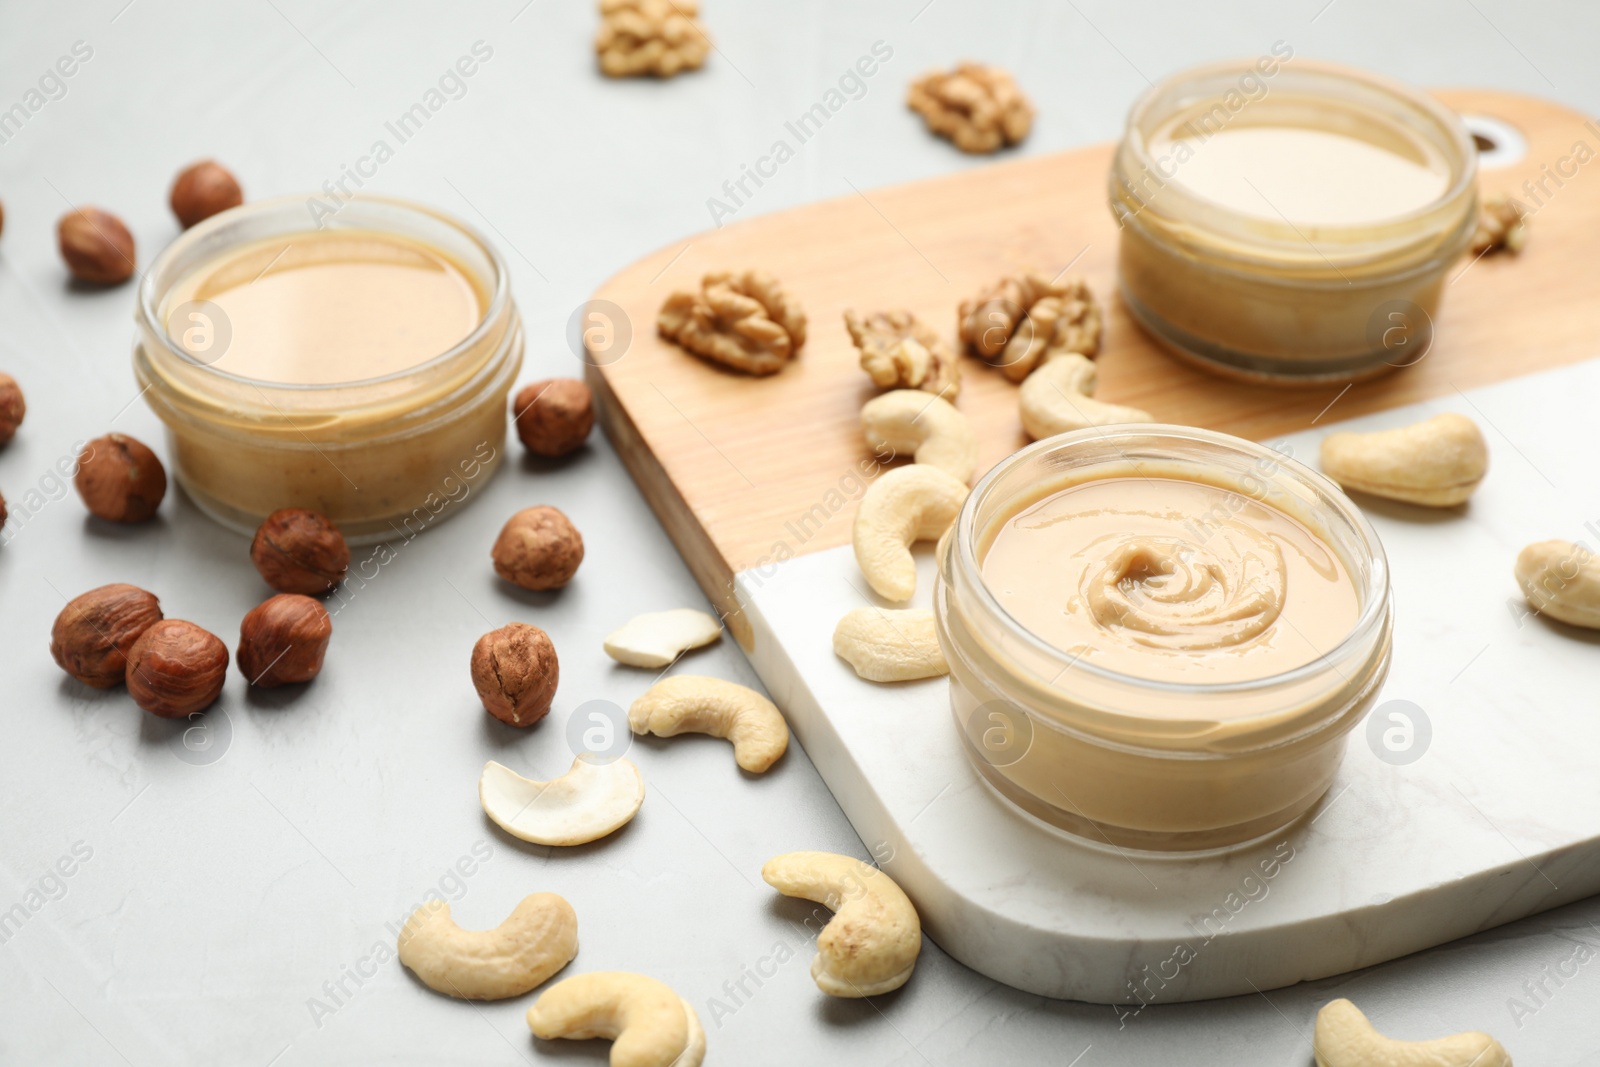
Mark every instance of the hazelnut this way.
pixel 515 671
pixel 538 548
pixel 282 641
pixel 96 245
pixel 12 408
pixel 176 669
pixel 299 551
pixel 4 514
pixel 120 479
pixel 203 189
pixel 554 416
pixel 94 632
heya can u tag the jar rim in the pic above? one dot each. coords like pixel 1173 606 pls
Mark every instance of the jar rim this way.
pixel 147 306
pixel 1464 179
pixel 1375 608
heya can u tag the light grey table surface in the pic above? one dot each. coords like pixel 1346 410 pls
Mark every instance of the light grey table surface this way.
pixel 213 910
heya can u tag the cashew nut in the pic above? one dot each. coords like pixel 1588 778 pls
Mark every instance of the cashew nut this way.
pixel 905 505
pixel 648 1024
pixel 870 945
pixel 1344 1038
pixel 687 703
pixel 1058 398
pixel 1561 580
pixel 929 427
pixel 889 645
pixel 585 804
pixel 657 638
pixel 1437 463
pixel 538 939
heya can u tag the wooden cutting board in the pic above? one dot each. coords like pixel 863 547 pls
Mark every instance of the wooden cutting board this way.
pixel 745 471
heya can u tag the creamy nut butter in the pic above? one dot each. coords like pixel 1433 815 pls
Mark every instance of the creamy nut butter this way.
pixel 1158 636
pixel 359 369
pixel 1285 220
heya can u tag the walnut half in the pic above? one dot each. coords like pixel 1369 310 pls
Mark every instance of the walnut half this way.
pixel 659 37
pixel 1025 319
pixel 744 321
pixel 979 108
pixel 898 351
pixel 1500 225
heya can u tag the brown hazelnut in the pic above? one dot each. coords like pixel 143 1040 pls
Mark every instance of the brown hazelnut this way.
pixel 515 671
pixel 96 245
pixel 201 190
pixel 554 416
pixel 538 548
pixel 120 479
pixel 12 407
pixel 94 632
pixel 299 551
pixel 176 669
pixel 282 641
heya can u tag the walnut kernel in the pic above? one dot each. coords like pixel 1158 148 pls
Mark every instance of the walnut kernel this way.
pixel 744 321
pixel 282 641
pixel 554 416
pixel 659 37
pixel 979 108
pixel 515 672
pixel 299 551
pixel 538 548
pixel 899 351
pixel 120 479
pixel 1023 320
pixel 94 633
pixel 12 407
pixel 176 669
pixel 96 245
pixel 1501 224
pixel 203 189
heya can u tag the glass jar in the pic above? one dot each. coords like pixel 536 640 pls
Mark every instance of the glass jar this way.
pixel 1131 762
pixel 1257 295
pixel 382 456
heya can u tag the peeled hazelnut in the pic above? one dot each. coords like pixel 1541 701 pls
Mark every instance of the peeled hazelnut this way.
pixel 282 641
pixel 538 548
pixel 554 416
pixel 201 190
pixel 299 551
pixel 515 671
pixel 120 479
pixel 96 245
pixel 12 408
pixel 176 669
pixel 94 633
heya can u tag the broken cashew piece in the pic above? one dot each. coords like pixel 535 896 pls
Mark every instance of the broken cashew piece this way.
pixel 538 939
pixel 1344 1038
pixel 588 802
pixel 691 704
pixel 1059 398
pixel 929 427
pixel 1436 463
pixel 886 645
pixel 905 505
pixel 870 945
pixel 657 638
pixel 1561 580
pixel 648 1024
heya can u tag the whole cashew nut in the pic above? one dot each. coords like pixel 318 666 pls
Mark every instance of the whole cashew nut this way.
pixel 905 505
pixel 1436 463
pixel 590 801
pixel 885 645
pixel 1561 580
pixel 1344 1038
pixel 538 939
pixel 870 945
pixel 929 427
pixel 1058 398
pixel 648 1024
pixel 687 703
